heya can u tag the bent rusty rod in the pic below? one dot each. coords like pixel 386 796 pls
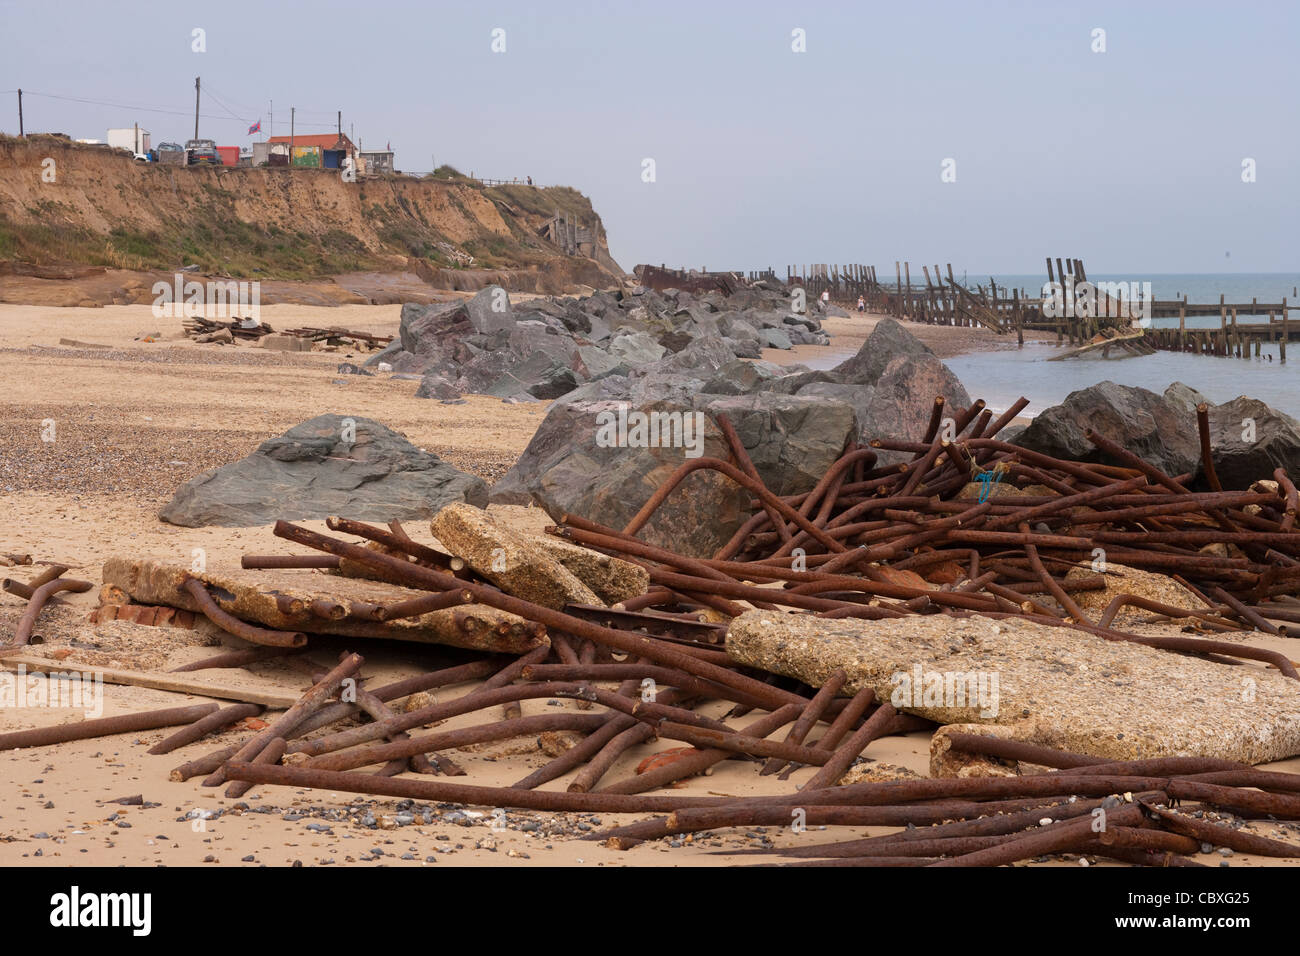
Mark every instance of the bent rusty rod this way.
pixel 233 625
pixel 23 633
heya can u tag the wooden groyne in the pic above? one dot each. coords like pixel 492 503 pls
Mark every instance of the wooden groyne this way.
pixel 942 300
pixel 1232 338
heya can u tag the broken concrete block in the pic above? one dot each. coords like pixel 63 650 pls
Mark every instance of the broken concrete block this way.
pixel 1125 580
pixel 1051 686
pixel 946 762
pixel 613 579
pixel 876 772
pixel 257 596
pixel 509 560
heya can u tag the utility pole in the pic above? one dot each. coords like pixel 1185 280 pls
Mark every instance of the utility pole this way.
pixel 20 112
pixel 293 110
pixel 137 139
pixel 196 107
pixel 270 126
pixel 340 124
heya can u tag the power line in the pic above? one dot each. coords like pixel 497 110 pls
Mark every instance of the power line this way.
pixel 219 102
pixel 122 106
pixel 153 109
pixel 242 106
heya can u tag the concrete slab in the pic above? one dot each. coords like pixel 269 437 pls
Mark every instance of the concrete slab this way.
pixel 251 596
pixel 1047 685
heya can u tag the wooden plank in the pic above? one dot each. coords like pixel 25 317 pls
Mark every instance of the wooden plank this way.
pixel 175 683
pixel 1121 340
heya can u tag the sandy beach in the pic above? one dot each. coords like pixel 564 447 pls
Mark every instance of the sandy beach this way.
pixel 135 420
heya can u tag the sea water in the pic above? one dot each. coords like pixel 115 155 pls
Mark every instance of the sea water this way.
pixel 1005 373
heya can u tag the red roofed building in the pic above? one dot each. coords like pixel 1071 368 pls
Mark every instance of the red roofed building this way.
pixel 324 150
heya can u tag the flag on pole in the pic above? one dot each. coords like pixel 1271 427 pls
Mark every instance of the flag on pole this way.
pixel 255 128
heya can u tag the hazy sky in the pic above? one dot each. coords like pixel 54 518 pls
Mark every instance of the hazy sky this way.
pixel 1130 159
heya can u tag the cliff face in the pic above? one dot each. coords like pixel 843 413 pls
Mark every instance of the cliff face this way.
pixel 64 203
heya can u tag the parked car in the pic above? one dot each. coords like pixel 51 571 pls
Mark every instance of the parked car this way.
pixel 203 152
pixel 170 154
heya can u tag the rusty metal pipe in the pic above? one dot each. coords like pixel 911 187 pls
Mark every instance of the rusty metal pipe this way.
pixel 212 722
pixel 846 753
pixel 1052 839
pixel 464 736
pixel 277 561
pixel 809 717
pixel 423 605
pixel 746 464
pixel 285 724
pixel 697 763
pixel 233 625
pixel 1207 453
pixel 1291 496
pixel 105 726
pixel 42 594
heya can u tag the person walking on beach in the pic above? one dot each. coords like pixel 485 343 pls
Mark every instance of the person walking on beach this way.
pixel 826 299
pixel 862 304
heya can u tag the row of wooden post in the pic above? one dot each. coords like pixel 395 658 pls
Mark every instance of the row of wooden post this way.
pixel 1228 339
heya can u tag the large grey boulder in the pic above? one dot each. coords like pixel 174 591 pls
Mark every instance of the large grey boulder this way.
pixel 432 334
pixel 482 370
pixel 636 348
pixel 704 356
pixel 902 400
pixel 857 397
pixel 576 464
pixel 738 330
pixel 451 333
pixel 434 384
pixel 330 465
pixel 776 339
pixel 792 439
pixel 746 348
pixel 1184 397
pixel 887 341
pixel 1249 440
pixel 794 382
pixel 540 375
pixel 489 311
pixel 571 466
pixel 1138 420
pixel 590 363
pixel 741 377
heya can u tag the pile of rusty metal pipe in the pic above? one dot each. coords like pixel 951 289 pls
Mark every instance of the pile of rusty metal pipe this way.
pixel 628 676
pixel 975 821
pixel 970 524
pixel 1088 806
pixel 963 524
